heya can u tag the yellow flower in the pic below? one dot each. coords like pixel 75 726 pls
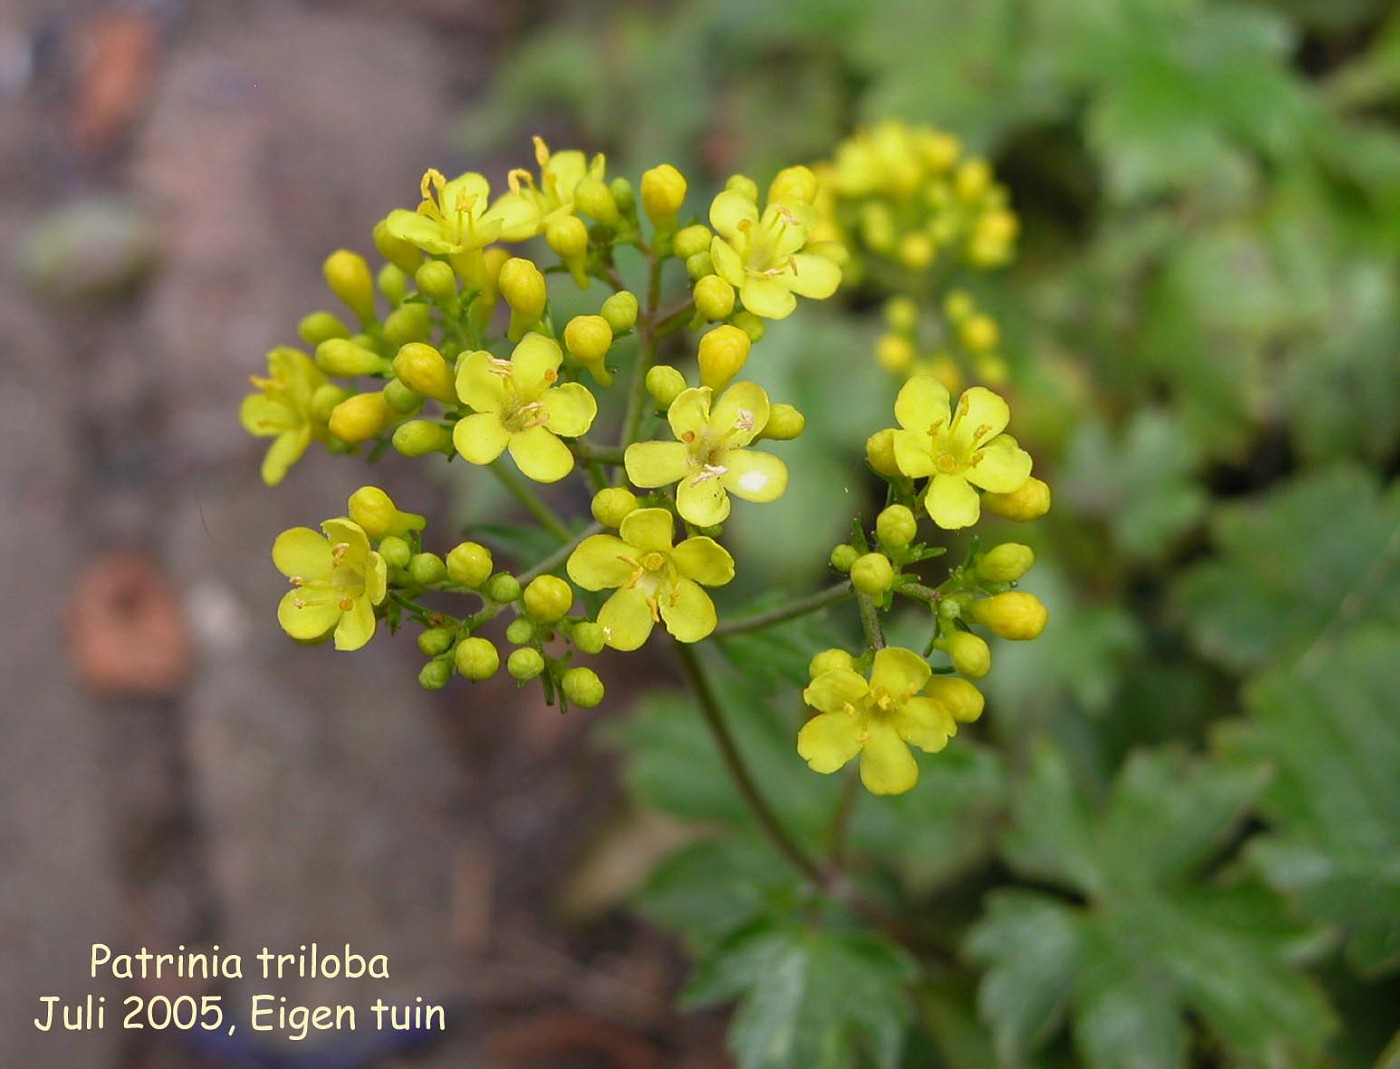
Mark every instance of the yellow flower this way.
pixel 337 580
pixel 761 255
pixel 654 581
pixel 875 719
pixel 516 406
pixel 560 174
pixel 457 217
pixel 960 450
pixel 710 459
pixel 283 410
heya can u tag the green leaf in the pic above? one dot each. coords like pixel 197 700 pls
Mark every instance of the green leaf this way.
pixel 1127 1015
pixel 1298 567
pixel 1330 728
pixel 809 998
pixel 777 656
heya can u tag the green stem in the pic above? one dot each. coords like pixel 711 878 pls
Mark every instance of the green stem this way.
pixel 560 555
pixel 791 611
pixel 601 454
pixel 521 491
pixel 739 771
pixel 870 622
pixel 637 399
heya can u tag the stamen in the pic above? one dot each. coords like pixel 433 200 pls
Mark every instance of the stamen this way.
pixel 550 375
pixel 708 472
pixel 541 151
pixel 518 175
pixel 688 437
pixel 346 604
pixel 497 366
pixel 432 179
pixel 745 421
pixel 338 552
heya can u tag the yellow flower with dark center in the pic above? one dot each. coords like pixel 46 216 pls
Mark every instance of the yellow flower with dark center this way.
pixel 654 581
pixel 337 581
pixel 959 449
pixel 709 458
pixel 517 406
pixel 283 410
pixel 879 719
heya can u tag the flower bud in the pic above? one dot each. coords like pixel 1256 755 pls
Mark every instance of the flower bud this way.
pixel 843 556
pixel 744 186
pixel 435 674
pixel 916 251
pixel 663 193
pixel 375 511
pixel 979 333
pixel 620 310
pixel 401 399
pixel 343 358
pixel 623 196
pixel 699 266
pixel 361 417
pixel 723 353
pixel 879 452
pixel 613 504
pixel 395 551
pixel 665 384
pixel 827 660
pixel 436 281
pixel 750 324
pixel 972 178
pixel 1005 563
pixel 958 696
pixel 419 437
pixel 1028 503
pixel 784 424
pixel 523 287
pixel 794 184
pixel 408 323
pixel 588 637
pixel 691 240
pixel 521 631
pixel 424 369
pixel 568 237
pixel 348 276
pixel 896 526
pixel 1015 615
pixel 469 563
pixel 324 400
pixel 434 641
pixel 894 352
pixel 425 569
pixel 502 588
pixel 321 326
pixel 525 664
pixel 589 338
pixel 393 283
pixel 397 251
pixel 902 314
pixel 872 574
pixel 548 598
pixel 582 687
pixel 595 200
pixel 476 658
pixel 971 656
pixel 714 298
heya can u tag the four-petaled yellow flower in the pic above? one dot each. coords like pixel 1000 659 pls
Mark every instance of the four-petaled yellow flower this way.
pixel 457 218
pixel 337 581
pixel 709 459
pixel 960 450
pixel 516 406
pixel 283 410
pixel 761 255
pixel 560 174
pixel 878 719
pixel 654 581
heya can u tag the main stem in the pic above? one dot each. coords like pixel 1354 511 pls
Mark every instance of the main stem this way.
pixel 791 611
pixel 739 770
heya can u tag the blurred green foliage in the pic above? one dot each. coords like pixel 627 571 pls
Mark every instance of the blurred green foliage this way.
pixel 1175 838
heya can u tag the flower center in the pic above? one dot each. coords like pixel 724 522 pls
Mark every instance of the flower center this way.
pixel 947 463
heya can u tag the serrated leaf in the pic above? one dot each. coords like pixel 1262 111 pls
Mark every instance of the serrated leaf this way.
pixel 1296 567
pixel 1332 731
pixel 808 998
pixel 1127 1015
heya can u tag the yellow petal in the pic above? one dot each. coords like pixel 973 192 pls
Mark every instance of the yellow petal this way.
pixel 647 530
pixel 1000 466
pixel 283 453
pixel 687 610
pixel 704 560
pixel 652 464
pixel 744 406
pixel 532 361
pixel 754 476
pixel 478 385
pixel 702 502
pixel 690 412
pixel 518 215
pixel 306 622
pixel 540 455
pixel 951 502
pixel 571 409
pixel 886 765
pixel 598 562
pixel 729 210
pixel 834 689
pixel 899 671
pixel 982 415
pixel 813 276
pixel 925 723
pixel 626 620
pixel 829 740
pixel 922 403
pixel 302 553
pixel 728 264
pixel 263 417
pixel 356 627
pixel 767 297
pixel 376 579
pixel 912 453
pixel 481 437
pixel 419 230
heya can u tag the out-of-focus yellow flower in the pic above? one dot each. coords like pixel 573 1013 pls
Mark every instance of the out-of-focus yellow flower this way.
pixel 282 410
pixel 337 581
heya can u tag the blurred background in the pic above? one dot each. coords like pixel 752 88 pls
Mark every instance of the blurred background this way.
pixel 1202 337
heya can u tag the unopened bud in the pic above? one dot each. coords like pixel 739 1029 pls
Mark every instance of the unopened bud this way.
pixel 663 193
pixel 958 696
pixel 665 384
pixel 436 281
pixel 393 283
pixel 588 637
pixel 469 563
pixel 523 287
pixel 971 655
pixel 896 526
pixel 784 424
pixel 588 338
pixel 349 278
pixel 827 660
pixel 723 353
pixel 794 184
pixel 879 452
pixel 548 598
pixel 435 675
pixel 620 310
pixel 425 569
pixel 403 400
pixel 321 326
pixel 361 417
pixel 423 368
pixel 1015 615
pixel 612 505
pixel 525 664
pixel 476 658
pixel 714 298
pixel 872 574
pixel 1005 563
pixel 396 250
pixel 1028 503
pixel 408 323
pixel 582 687
pixel 595 200
pixel 419 437
pixel 691 240
pixel 342 357
pixel 502 588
